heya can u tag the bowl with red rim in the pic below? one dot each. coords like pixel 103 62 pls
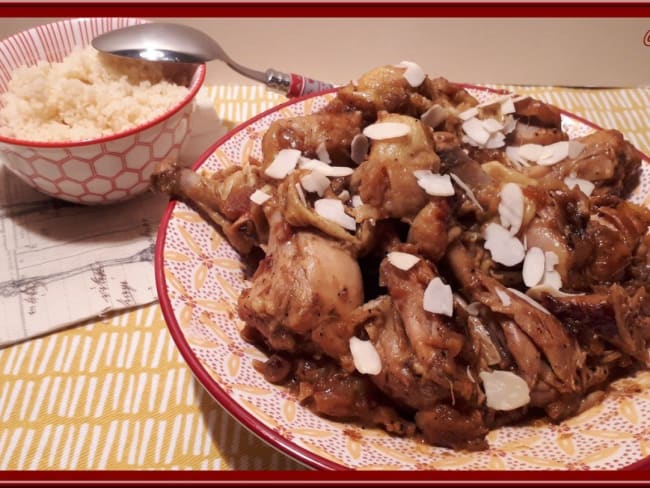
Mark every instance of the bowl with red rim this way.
pixel 99 170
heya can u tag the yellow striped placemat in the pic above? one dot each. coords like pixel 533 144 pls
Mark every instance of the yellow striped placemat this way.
pixel 116 394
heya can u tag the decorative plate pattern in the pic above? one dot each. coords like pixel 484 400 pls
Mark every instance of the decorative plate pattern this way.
pixel 199 278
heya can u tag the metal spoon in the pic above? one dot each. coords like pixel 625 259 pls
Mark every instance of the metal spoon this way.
pixel 183 44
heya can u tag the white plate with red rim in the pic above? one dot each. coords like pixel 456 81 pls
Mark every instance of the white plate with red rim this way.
pixel 199 277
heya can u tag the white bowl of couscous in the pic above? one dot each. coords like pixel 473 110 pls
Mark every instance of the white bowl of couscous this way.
pixel 87 127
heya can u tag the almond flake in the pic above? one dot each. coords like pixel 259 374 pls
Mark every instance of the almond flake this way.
pixel 474 129
pixel 435 116
pixel 529 300
pixel 511 207
pixel 496 140
pixel 504 247
pixel 537 291
pixel 333 210
pixel 356 201
pixel 359 148
pixel 344 196
pixel 507 106
pixel 513 155
pixel 323 168
pixel 438 298
pixel 492 125
pixel 364 356
pixel 551 260
pixel 554 153
pixel 315 182
pixel 474 308
pixel 534 267
pixel 468 114
pixel 531 152
pixel 386 130
pixel 509 124
pixel 552 279
pixel 504 297
pixel 402 260
pixel 504 390
pixel 259 197
pixel 585 186
pixel 468 191
pixel 322 154
pixel 575 149
pixel 283 163
pixel 413 74
pixel 434 184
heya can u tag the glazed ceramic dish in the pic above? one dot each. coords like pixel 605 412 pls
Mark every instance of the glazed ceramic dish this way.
pixel 199 277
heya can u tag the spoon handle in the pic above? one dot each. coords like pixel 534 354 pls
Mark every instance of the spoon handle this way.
pixel 293 85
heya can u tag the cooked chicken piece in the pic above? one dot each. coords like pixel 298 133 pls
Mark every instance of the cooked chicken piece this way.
pixel 308 132
pixel 386 179
pixel 303 282
pixel 607 160
pixel 334 393
pixel 397 378
pixel 224 198
pixel 536 112
pixel 380 89
pixel 546 332
pixel 533 134
pixel 435 344
pixel 428 233
pixel 614 314
pixel 446 426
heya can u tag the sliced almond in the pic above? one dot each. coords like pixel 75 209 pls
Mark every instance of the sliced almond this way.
pixel 476 131
pixel 534 267
pixel 434 184
pixel 531 152
pixel 511 207
pixel 474 308
pixel 529 300
pixel 413 74
pixel 536 292
pixel 468 114
pixel 507 106
pixel 551 259
pixel 359 148
pixel 435 116
pixel 554 153
pixel 509 124
pixel 585 186
pixel 356 201
pixel 503 296
pixel 283 163
pixel 402 260
pixel 575 149
pixel 504 390
pixel 552 279
pixel 438 298
pixel 259 197
pixel 344 196
pixel 492 125
pixel 315 182
pixel 386 130
pixel 323 168
pixel 512 152
pixel 468 191
pixel 333 210
pixel 496 140
pixel 364 356
pixel 503 246
pixel 322 154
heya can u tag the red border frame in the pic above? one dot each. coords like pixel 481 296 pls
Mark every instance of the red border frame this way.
pixel 245 418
